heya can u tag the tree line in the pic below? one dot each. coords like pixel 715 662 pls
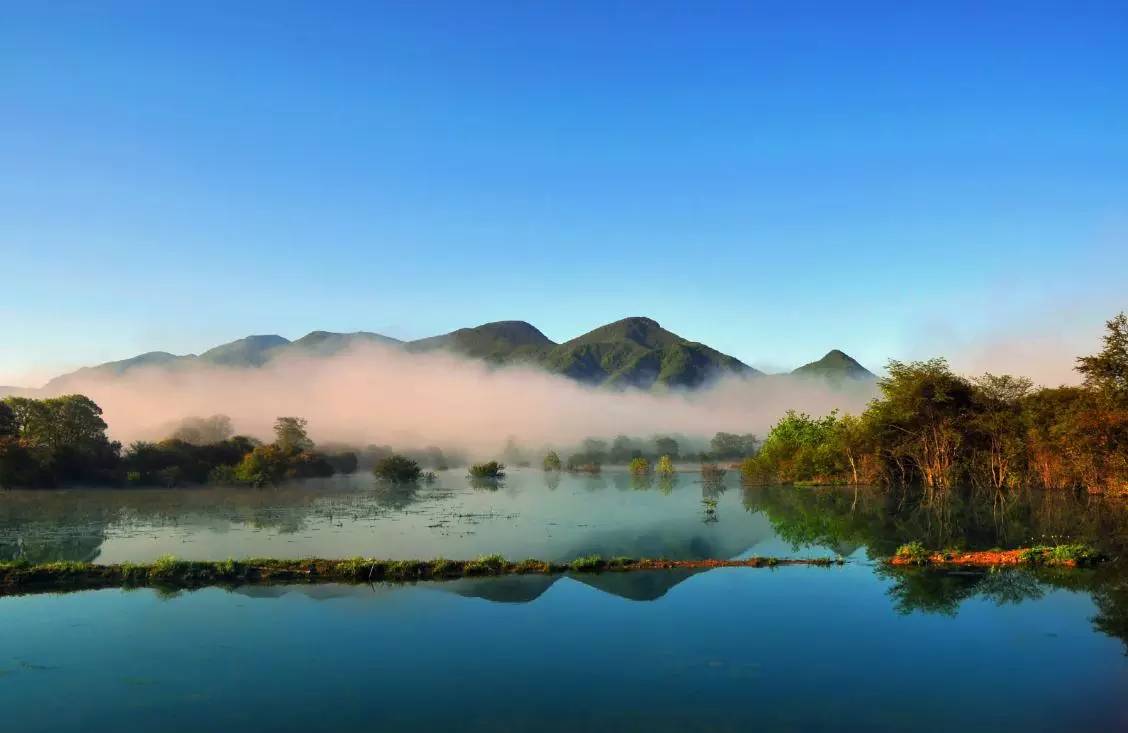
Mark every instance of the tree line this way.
pixel 932 428
pixel 62 440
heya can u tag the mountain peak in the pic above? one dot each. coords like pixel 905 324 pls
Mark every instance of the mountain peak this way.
pixel 836 364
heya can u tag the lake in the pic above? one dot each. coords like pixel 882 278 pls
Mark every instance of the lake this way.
pixel 795 648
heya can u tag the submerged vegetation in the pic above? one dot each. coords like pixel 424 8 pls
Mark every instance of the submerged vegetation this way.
pixel 932 428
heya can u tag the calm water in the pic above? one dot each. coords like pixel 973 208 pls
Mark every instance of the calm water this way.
pixel 850 647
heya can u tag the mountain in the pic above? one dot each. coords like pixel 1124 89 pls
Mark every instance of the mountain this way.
pixel 638 352
pixel 252 351
pixel 836 366
pixel 249 351
pixel 117 368
pixel 632 352
pixel 500 342
pixel 325 343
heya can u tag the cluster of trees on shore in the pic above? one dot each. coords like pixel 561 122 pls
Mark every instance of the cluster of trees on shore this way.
pixel 935 429
pixel 62 440
pixel 623 450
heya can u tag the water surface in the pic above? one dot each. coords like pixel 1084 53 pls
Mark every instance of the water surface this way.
pixel 732 649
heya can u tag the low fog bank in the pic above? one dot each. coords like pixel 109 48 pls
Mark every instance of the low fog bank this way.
pixel 378 395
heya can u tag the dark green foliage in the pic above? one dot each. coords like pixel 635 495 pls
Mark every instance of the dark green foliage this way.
pixel 175 462
pixel 397 469
pixel 935 429
pixel 730 447
pixel 54 441
pixel 343 462
pixel 488 470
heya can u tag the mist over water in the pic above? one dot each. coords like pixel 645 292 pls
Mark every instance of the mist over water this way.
pixel 383 395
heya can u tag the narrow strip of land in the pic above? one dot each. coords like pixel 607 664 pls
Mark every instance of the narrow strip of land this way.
pixel 168 572
pixel 17 577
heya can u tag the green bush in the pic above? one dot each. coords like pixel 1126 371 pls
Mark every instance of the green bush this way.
pixel 640 466
pixel 913 552
pixel 490 469
pixel 397 469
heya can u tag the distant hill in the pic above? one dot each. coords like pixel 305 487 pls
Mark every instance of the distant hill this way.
pixel 500 342
pixel 632 352
pixel 835 366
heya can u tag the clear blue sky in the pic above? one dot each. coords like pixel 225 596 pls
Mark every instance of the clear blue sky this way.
pixel 774 179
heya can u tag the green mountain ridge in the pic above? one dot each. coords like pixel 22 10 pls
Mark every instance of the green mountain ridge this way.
pixel 633 352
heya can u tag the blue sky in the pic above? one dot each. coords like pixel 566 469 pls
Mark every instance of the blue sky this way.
pixel 773 179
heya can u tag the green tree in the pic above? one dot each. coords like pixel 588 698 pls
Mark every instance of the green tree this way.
pixel 666 466
pixel 999 429
pixel 922 417
pixel 290 434
pixel 640 466
pixel 552 461
pixel 1106 372
pixel 664 445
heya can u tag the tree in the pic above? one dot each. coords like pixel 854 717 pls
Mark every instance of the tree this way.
pixel 921 415
pixel 290 434
pixel 8 426
pixel 666 466
pixel 623 449
pixel 851 438
pixel 1000 432
pixel 666 446
pixel 204 430
pixel 595 449
pixel 729 446
pixel 1106 373
pixel 552 461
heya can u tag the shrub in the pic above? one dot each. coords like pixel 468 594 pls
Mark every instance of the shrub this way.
pixel 586 564
pixel 640 466
pixel 397 469
pixel 913 552
pixel 665 466
pixel 552 461
pixel 490 469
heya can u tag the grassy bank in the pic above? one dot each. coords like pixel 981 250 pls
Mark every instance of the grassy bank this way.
pixel 168 572
pixel 914 553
